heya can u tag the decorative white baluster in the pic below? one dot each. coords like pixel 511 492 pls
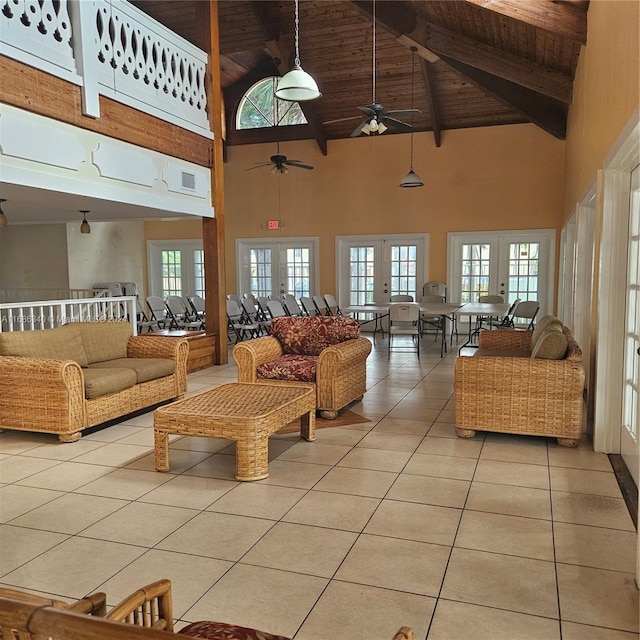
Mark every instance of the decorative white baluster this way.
pixel 38 33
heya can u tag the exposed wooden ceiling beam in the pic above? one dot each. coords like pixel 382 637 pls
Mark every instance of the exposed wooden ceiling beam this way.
pixel 545 112
pixel 565 19
pixel 281 56
pixel 430 89
pixel 413 30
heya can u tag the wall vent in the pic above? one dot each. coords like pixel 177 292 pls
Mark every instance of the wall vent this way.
pixel 188 180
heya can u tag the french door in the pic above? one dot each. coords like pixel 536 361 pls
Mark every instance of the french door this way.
pixel 511 264
pixel 268 268
pixel 176 268
pixel 629 446
pixel 372 268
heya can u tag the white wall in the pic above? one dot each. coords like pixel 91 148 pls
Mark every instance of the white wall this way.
pixel 113 251
pixel 33 257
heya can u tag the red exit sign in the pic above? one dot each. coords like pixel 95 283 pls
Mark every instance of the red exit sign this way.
pixel 274 225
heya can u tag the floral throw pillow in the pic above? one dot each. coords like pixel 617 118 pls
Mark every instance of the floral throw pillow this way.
pixel 309 335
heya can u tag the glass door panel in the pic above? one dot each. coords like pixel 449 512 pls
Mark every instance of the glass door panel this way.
pixel 371 269
pixel 631 384
pixel 267 268
pixel 513 265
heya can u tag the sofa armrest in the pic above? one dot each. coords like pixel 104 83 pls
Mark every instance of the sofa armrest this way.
pixel 343 355
pixel 157 347
pixel 249 355
pixel 149 606
pixel 512 376
pixel 505 340
pixel 41 393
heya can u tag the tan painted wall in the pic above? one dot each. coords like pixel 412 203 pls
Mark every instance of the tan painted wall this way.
pixel 110 253
pixel 492 178
pixel 606 92
pixel 34 257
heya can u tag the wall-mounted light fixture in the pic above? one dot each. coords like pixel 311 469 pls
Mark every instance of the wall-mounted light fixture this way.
pixel 3 218
pixel 84 227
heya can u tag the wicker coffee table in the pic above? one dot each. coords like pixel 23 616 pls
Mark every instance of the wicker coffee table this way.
pixel 246 413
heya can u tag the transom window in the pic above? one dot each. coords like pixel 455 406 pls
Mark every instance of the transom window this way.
pixel 260 108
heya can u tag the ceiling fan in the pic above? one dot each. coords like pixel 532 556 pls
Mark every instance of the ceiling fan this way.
pixel 279 163
pixel 377 118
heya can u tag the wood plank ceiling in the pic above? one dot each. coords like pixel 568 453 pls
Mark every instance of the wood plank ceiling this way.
pixel 478 62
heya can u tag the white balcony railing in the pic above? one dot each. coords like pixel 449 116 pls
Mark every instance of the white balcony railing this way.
pixel 110 48
pixel 47 314
pixel 26 295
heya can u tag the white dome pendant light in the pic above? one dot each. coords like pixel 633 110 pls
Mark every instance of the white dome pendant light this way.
pixel 297 85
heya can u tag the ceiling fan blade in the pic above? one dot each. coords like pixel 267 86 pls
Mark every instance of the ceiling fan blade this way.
pixel 262 164
pixel 298 164
pixel 341 120
pixel 402 112
pixel 359 129
pixel 368 110
pixel 403 126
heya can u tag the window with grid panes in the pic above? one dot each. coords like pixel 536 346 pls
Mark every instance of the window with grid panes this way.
pixel 475 272
pixel 524 265
pixel 171 273
pixel 260 271
pixel 299 272
pixel 361 269
pixel 198 272
pixel 403 270
pixel 260 108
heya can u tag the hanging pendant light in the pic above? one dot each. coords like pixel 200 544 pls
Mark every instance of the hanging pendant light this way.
pixel 412 179
pixel 297 85
pixel 84 227
pixel 3 218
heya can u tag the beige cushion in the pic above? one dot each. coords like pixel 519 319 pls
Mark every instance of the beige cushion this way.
pixel 541 327
pixel 145 368
pixel 56 344
pixel 99 382
pixel 105 340
pixel 552 344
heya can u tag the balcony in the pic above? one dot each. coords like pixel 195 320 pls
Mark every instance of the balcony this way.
pixel 110 48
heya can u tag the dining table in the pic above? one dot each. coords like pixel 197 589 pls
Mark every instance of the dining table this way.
pixel 489 310
pixel 443 310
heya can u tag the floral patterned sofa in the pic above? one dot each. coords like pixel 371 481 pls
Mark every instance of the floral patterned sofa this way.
pixel 327 351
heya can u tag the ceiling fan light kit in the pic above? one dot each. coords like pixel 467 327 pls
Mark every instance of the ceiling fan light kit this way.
pixel 297 85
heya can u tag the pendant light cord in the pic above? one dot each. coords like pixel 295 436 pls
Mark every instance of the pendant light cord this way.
pixel 413 65
pixel 374 52
pixel 296 60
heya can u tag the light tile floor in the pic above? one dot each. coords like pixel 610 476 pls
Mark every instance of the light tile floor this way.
pixel 372 526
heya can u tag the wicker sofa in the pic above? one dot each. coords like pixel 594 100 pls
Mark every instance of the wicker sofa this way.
pixel 67 379
pixel 522 382
pixel 325 351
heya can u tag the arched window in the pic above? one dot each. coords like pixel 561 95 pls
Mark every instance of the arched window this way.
pixel 260 108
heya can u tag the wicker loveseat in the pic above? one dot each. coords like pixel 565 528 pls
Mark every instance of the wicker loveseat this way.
pixel 522 382
pixel 66 379
pixel 325 351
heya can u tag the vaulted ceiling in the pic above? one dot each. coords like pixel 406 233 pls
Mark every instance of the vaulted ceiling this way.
pixel 478 62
